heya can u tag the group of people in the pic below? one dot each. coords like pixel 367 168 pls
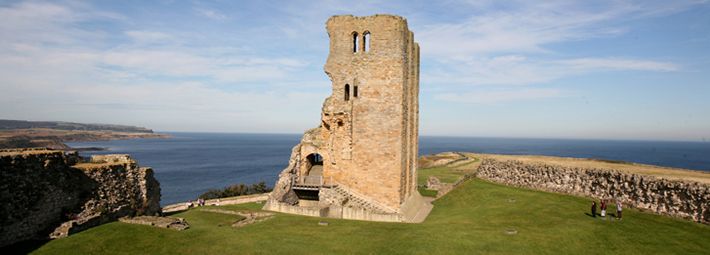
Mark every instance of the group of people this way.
pixel 198 202
pixel 603 203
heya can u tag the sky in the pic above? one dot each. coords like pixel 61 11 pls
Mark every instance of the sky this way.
pixel 630 70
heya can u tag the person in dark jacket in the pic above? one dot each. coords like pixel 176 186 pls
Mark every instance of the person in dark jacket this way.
pixel 594 209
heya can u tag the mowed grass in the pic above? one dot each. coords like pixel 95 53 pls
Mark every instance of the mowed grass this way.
pixel 445 174
pixel 472 219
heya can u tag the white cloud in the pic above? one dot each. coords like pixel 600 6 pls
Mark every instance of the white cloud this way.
pixel 147 36
pixel 53 68
pixel 514 45
pixel 516 70
pixel 619 64
pixel 69 60
pixel 499 96
pixel 211 14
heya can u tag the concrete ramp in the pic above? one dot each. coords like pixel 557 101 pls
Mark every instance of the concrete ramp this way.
pixel 416 208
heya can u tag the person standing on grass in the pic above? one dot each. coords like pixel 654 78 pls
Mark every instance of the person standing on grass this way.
pixel 602 206
pixel 594 209
pixel 618 209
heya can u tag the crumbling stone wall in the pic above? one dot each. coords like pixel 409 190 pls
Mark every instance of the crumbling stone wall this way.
pixel 50 193
pixel 676 198
pixel 38 191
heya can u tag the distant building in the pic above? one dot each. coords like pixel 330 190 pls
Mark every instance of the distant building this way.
pixel 361 162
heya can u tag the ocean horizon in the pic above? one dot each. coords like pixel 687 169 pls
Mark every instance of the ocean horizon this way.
pixel 191 163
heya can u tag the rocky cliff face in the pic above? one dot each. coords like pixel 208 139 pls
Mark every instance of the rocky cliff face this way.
pixel 685 199
pixel 46 192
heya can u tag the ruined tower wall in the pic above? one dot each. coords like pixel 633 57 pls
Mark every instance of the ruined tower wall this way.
pixel 370 138
pixel 368 135
pixel 412 116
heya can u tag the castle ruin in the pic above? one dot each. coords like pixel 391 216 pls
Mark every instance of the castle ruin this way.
pixel 361 161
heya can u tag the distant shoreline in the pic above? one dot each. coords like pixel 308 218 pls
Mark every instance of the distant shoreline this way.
pixel 57 139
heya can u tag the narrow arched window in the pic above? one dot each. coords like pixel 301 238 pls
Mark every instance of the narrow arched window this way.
pixel 355 42
pixel 347 92
pixel 366 42
pixel 355 91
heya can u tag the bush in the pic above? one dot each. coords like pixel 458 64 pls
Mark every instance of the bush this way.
pixel 236 190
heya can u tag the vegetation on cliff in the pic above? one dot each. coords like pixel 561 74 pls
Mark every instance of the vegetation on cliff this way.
pixel 61 125
pixel 236 190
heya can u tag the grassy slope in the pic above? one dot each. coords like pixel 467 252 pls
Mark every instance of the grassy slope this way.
pixel 470 219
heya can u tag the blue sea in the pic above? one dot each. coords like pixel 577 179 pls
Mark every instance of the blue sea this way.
pixel 191 163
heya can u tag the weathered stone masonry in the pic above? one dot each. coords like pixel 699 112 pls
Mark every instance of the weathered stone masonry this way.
pixel 47 193
pixel 676 198
pixel 367 142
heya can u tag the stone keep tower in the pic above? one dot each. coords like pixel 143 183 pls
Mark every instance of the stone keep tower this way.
pixel 361 161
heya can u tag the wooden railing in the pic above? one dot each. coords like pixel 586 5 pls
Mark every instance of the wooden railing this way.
pixel 316 180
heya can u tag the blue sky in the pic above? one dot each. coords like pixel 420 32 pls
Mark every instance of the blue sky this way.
pixel 552 69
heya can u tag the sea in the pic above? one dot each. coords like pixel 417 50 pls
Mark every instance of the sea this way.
pixel 189 164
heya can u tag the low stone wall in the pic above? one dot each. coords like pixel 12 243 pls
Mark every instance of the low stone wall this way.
pixel 50 193
pixel 291 209
pixel 337 212
pixel 219 201
pixel 685 199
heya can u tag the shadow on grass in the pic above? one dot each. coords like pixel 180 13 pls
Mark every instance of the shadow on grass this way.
pixel 24 247
pixel 173 213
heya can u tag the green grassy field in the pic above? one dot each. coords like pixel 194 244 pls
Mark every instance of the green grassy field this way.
pixel 473 218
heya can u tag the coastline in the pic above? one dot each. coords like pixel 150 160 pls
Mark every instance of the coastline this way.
pixel 57 139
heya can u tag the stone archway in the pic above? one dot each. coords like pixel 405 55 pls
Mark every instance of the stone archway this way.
pixel 314 166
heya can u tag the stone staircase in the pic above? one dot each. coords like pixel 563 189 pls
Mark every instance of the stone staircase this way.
pixel 349 198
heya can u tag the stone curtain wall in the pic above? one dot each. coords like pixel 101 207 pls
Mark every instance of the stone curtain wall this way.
pixel 48 193
pixel 685 199
pixel 122 189
pixel 123 185
pixel 37 190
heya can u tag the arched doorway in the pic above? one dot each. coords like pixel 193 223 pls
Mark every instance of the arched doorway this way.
pixel 314 169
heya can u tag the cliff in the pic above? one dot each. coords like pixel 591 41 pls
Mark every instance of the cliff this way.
pixel 55 138
pixel 53 134
pixel 49 193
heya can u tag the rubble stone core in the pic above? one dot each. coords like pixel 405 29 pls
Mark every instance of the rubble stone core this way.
pixel 363 156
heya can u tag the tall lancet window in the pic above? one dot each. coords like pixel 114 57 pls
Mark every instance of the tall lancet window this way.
pixel 366 41
pixel 347 92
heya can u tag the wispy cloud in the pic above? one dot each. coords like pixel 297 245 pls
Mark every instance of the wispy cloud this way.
pixel 227 66
pixel 211 14
pixel 499 96
pixel 517 70
pixel 515 43
pixel 619 64
pixel 142 36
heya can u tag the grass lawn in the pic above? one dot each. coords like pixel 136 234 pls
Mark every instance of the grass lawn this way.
pixel 471 219
pixel 445 174
pixel 427 192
